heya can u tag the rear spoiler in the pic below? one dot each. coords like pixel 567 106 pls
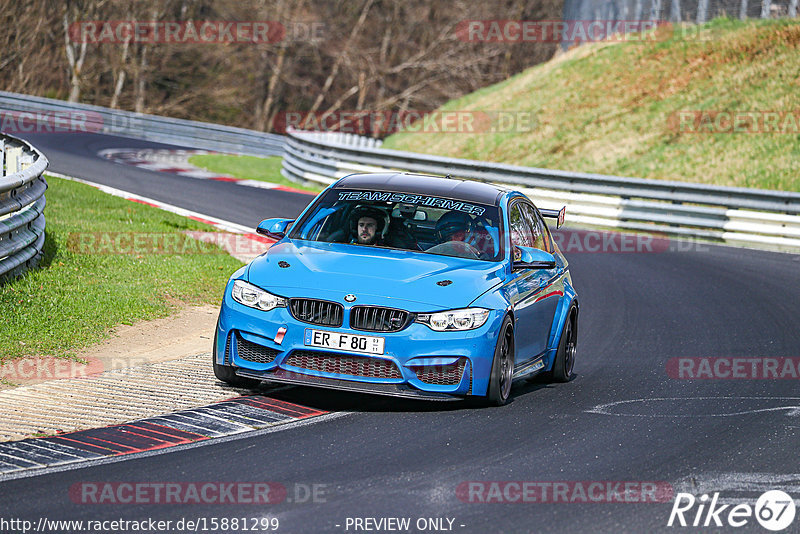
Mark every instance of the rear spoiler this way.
pixel 555 214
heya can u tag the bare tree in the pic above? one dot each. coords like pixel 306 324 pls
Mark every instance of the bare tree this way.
pixel 386 55
pixel 76 52
pixel 339 58
pixel 120 74
pixel 264 111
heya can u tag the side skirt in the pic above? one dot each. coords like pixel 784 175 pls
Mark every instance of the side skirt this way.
pixel 531 367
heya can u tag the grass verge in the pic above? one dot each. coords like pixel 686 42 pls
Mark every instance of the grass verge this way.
pixel 83 288
pixel 615 108
pixel 248 168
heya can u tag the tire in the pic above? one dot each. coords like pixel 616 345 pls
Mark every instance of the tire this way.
pixel 499 391
pixel 565 356
pixel 227 373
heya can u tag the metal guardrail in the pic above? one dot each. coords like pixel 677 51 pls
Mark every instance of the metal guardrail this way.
pixel 53 114
pixel 730 214
pixel 22 202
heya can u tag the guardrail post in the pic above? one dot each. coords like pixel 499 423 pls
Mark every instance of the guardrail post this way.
pixel 2 158
pixel 25 161
pixel 13 153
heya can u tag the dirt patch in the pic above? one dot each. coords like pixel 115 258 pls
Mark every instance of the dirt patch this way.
pixel 187 332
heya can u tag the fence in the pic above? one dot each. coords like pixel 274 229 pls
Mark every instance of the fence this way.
pixel 729 214
pixel 691 11
pixel 22 202
pixel 51 113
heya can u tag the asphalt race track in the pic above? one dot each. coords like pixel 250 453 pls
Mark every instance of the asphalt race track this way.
pixel 75 154
pixel 623 418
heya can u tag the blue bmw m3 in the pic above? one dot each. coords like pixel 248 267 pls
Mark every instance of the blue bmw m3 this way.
pixel 404 285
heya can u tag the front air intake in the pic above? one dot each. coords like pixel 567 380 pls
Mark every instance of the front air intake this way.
pixel 318 312
pixel 378 319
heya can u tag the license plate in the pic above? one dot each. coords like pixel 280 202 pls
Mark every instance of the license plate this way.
pixel 348 342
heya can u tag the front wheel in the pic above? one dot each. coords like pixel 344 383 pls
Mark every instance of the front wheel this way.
pixel 502 366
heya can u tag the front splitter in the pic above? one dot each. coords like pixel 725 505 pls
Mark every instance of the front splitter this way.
pixel 392 390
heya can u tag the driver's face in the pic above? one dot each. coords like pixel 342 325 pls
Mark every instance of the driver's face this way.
pixel 367 230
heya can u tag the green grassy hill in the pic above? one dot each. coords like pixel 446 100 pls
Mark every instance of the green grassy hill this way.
pixel 616 108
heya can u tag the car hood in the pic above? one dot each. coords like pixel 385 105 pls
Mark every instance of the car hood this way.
pixel 313 269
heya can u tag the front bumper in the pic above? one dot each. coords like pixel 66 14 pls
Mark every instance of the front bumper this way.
pixel 421 362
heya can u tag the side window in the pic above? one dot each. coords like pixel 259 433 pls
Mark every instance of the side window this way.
pixel 541 239
pixel 521 232
pixel 548 240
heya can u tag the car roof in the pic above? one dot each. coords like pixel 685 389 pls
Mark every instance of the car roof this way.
pixel 421 184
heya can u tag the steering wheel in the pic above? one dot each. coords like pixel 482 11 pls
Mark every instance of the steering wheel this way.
pixel 471 249
pixel 459 249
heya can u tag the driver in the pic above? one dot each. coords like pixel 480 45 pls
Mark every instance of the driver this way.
pixel 454 226
pixel 366 225
pixel 458 226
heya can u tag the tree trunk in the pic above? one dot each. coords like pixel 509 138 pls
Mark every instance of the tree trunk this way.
pixel 655 9
pixel 120 75
pixel 263 124
pixel 702 11
pixel 75 63
pixel 141 82
pixel 337 64
pixel 675 11
pixel 765 8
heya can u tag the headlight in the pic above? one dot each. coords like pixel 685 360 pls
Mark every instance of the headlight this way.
pixel 464 319
pixel 255 297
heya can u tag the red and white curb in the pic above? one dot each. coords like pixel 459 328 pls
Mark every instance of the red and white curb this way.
pixel 234 416
pixel 177 162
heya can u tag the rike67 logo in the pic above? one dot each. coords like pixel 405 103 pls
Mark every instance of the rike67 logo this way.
pixel 774 510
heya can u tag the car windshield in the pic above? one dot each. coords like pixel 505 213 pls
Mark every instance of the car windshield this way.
pixel 404 221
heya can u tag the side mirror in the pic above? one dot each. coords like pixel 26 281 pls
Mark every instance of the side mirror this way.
pixel 274 228
pixel 533 258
